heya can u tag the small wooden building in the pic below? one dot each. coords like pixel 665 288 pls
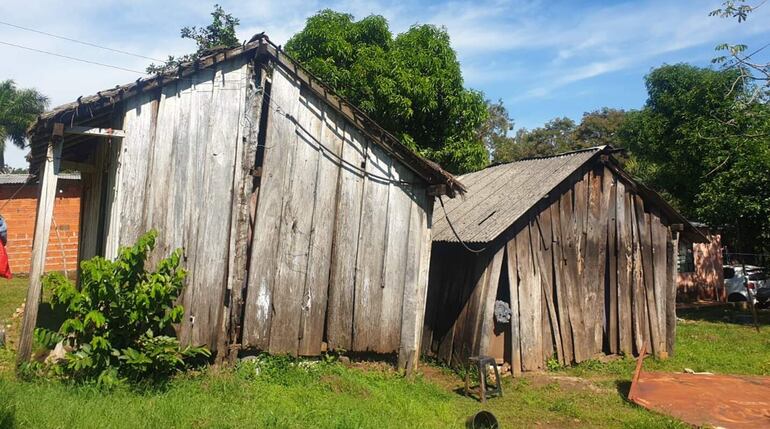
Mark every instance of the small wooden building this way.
pixel 701 273
pixel 305 225
pixel 582 255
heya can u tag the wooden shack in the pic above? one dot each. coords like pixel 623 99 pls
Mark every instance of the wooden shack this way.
pixel 582 255
pixel 701 271
pixel 304 224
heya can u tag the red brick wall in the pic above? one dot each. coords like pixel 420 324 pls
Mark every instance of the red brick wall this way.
pixel 707 282
pixel 20 214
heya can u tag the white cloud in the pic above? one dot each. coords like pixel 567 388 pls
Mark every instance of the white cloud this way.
pixel 527 47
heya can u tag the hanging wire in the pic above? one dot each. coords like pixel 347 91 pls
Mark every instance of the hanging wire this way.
pixel 69 39
pixel 452 227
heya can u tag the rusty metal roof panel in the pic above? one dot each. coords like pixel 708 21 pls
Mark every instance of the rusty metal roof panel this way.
pixel 704 400
pixel 499 195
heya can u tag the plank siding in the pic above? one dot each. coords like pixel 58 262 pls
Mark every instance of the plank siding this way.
pixel 582 275
pixel 344 254
pixel 324 208
pixel 625 249
pixel 372 237
pixel 302 232
pixel 560 272
pixel 295 229
pixel 513 289
pixel 276 168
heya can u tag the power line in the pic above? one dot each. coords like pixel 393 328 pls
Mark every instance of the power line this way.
pixel 80 41
pixel 72 58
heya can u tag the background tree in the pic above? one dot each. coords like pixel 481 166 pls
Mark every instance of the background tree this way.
pixel 739 57
pixel 219 34
pixel 411 84
pixel 18 109
pixel 600 127
pixel 494 132
pixel 707 155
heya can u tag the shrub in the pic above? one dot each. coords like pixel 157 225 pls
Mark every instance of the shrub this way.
pixel 118 322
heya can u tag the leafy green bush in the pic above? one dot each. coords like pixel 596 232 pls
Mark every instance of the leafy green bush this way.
pixel 118 322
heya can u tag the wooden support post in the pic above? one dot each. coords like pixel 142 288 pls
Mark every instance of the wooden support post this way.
pixel 48 178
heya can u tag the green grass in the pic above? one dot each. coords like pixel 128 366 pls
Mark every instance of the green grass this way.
pixel 373 396
pixel 12 294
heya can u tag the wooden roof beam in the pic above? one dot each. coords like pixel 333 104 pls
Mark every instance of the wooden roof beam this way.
pixel 94 131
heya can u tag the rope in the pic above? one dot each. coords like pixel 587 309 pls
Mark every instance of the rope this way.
pixel 452 227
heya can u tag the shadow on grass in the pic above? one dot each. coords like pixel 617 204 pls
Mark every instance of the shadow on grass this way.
pixel 726 313
pixel 7 415
pixel 623 387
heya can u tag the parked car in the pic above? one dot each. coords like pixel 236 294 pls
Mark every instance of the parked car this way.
pixel 735 279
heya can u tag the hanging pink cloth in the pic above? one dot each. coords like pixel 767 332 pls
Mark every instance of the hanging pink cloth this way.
pixel 5 268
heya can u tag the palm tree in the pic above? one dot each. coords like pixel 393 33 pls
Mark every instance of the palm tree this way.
pixel 18 109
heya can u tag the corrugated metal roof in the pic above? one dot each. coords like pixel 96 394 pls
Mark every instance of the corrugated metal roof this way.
pixel 497 196
pixel 19 178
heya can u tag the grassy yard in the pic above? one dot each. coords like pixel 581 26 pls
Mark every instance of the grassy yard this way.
pixel 372 395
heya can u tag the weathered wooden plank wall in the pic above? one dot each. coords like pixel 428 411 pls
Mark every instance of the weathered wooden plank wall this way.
pixel 173 172
pixel 330 243
pixel 346 224
pixel 589 273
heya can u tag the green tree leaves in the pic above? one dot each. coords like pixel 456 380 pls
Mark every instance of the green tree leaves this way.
pixel 18 109
pixel 411 84
pixel 704 142
pixel 597 128
pixel 219 34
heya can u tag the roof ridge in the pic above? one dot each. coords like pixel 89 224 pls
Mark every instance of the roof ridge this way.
pixel 556 155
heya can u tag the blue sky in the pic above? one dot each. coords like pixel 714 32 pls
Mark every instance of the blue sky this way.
pixel 542 58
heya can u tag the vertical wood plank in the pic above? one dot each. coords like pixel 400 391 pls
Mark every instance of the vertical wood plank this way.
pixel 660 278
pixel 625 269
pixel 139 122
pixel 487 311
pixel 465 326
pixel 595 259
pixel 513 282
pixel 551 330
pixel 317 282
pixel 426 225
pixel 90 204
pixel 416 279
pixel 394 268
pixel 645 233
pixel 571 278
pixel 277 166
pixel 584 298
pixel 209 282
pixel 608 258
pixel 339 320
pixel 671 259
pixel 244 186
pixel 639 302
pixel 200 132
pixel 560 272
pixel 295 231
pixel 530 294
pixel 369 265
